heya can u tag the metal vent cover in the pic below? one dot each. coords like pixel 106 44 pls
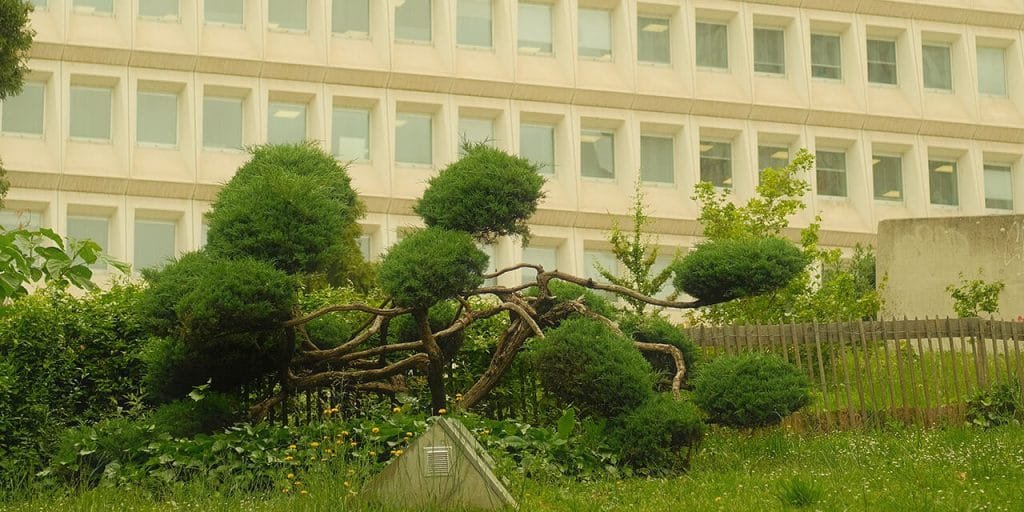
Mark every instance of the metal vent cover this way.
pixel 438 460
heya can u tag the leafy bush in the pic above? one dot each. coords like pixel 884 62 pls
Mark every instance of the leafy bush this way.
pixel 65 360
pixel 292 205
pixel 206 413
pixel 583 363
pixel 1000 405
pixel 750 390
pixel 563 291
pixel 649 329
pixel 431 265
pixel 729 269
pixel 333 329
pixel 661 435
pixel 487 193
pixel 975 296
pixel 221 319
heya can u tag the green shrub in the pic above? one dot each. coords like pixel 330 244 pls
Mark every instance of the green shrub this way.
pixel 648 329
pixel 332 329
pixel 87 454
pixel 750 390
pixel 65 360
pixel 187 417
pixel 431 265
pixel 661 435
pixel 583 363
pixel 729 269
pixel 999 405
pixel 563 291
pixel 223 318
pixel 292 205
pixel 403 328
pixel 487 193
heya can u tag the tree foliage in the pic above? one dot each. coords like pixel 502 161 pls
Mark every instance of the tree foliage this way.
pixel 486 193
pixel 725 270
pixel 750 390
pixel 15 43
pixel 828 289
pixel 972 297
pixel 660 436
pixel 292 205
pixel 431 265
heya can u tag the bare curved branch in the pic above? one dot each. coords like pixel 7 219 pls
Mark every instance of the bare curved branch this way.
pixel 380 312
pixel 621 290
pixel 675 354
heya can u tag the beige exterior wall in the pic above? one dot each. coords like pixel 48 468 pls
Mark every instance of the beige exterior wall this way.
pixel 55 174
pixel 923 256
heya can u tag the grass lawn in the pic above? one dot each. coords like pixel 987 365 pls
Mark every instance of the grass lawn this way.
pixel 952 469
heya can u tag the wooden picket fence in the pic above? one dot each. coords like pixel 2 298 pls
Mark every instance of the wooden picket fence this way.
pixel 870 373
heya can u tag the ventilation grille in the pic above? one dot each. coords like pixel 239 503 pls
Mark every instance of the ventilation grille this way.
pixel 438 460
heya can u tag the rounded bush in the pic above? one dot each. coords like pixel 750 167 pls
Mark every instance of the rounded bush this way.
pixel 292 205
pixel 750 390
pixel 729 269
pixel 188 417
pixel 583 363
pixel 564 291
pixel 225 318
pixel 661 435
pixel 649 329
pixel 487 193
pixel 431 265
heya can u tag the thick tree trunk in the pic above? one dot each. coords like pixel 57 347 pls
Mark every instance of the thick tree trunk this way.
pixel 508 346
pixel 435 368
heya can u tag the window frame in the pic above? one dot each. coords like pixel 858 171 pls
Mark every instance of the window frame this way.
pixel 458 31
pixel 894 64
pixel 42 114
pixel 601 133
pixel 933 172
pixel 645 179
pixel 241 123
pixel 368 153
pixel 353 34
pixel 239 24
pixel 136 268
pixel 169 18
pixel 177 128
pixel 1004 92
pixel 276 27
pixel 552 128
pixel 776 32
pixel 727 183
pixel 429 26
pixel 697 45
pixel 839 67
pixel 948 48
pixel 845 171
pixel 430 141
pixel 110 124
pixel 648 18
pixel 99 264
pixel 610 55
pixel 878 158
pixel 90 10
pixel 550 32
pixel 304 115
pixel 1002 168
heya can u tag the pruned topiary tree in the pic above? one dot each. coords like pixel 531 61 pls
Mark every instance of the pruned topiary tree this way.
pixel 431 280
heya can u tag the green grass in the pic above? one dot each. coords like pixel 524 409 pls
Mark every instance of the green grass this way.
pixel 896 470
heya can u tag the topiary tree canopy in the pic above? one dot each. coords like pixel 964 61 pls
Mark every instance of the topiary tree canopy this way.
pixel 750 390
pixel 724 270
pixel 486 193
pixel 431 265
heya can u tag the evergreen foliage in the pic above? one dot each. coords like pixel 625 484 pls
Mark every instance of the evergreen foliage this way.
pixel 584 364
pixel 431 265
pixel 486 193
pixel 648 329
pixel 16 36
pixel 187 417
pixel 750 390
pixel 724 270
pixel 661 435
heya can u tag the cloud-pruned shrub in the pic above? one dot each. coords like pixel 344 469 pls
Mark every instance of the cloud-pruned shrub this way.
pixel 750 390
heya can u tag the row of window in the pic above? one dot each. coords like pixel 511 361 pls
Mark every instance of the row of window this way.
pixel 157 125
pixel 474 28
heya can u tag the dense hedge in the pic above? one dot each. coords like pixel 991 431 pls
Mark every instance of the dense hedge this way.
pixel 65 360
pixel 431 265
pixel 649 329
pixel 487 193
pixel 729 269
pixel 661 435
pixel 750 390
pixel 583 363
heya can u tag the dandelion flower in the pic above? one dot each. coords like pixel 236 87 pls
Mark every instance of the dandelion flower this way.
pixel 352 444
pixel 346 484
pixel 408 434
pixel 291 447
pixel 286 490
pixel 303 492
pixel 297 483
pixel 441 411
pixel 291 475
pixel 396 410
pixel 375 430
pixel 314 444
pixel 289 457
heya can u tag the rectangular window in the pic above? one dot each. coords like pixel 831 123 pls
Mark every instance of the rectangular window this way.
pixel 770 51
pixel 475 129
pixel 364 246
pixel 157 119
pixel 595 261
pixel 998 187
pixel 20 219
pixel 93 6
pixel 474 23
pixel 24 113
pixel 537 144
pixel 775 157
pixel 38 3
pixel 595 34
pixel 882 61
pixel 164 9
pixel 992 71
pixel 712 45
pixel 228 12
pixel 942 182
pixel 286 123
pixel 222 123
pixel 413 140
pixel 716 163
pixel 350 17
pixel 287 15
pixel 412 21
pixel 888 178
pixel 831 173
pixel 826 56
pixel 652 40
pixel 938 71
pixel 90 112
pixel 351 130
pixel 97 229
pixel 154 243
pixel 657 159
pixel 535 29
pixel 546 257
pixel 597 154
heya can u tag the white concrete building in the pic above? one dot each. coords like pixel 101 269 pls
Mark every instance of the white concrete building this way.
pixel 136 110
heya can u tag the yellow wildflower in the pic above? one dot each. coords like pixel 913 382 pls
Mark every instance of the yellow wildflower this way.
pixel 346 484
pixel 291 475
pixel 375 430
pixel 291 447
pixel 297 483
pixel 314 444
pixel 285 490
pixel 441 411
pixel 396 409
pixel 303 492
pixel 289 457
